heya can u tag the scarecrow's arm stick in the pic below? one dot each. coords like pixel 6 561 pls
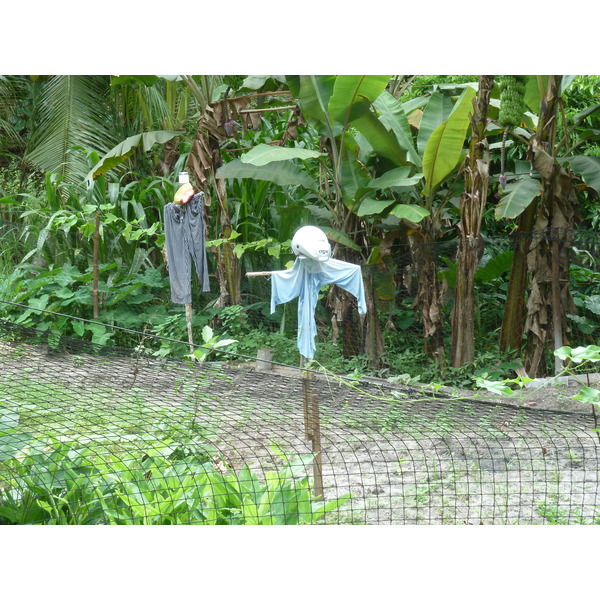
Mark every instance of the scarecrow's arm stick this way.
pixel 259 273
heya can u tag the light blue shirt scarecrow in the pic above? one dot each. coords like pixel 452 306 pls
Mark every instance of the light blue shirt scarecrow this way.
pixel 313 269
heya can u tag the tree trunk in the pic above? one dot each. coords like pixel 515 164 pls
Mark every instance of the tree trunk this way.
pixel 549 296
pixel 514 310
pixel 472 203
pixel 373 336
pixel 229 264
pixel 428 300
pixel 203 161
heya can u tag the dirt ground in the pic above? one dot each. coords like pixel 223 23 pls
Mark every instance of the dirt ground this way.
pixel 406 454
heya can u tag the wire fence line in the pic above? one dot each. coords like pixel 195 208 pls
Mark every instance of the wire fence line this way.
pixel 93 434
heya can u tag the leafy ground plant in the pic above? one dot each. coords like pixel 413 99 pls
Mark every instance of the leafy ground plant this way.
pixel 54 482
pixel 576 361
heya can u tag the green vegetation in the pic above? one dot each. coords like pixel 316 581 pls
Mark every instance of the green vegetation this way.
pixel 127 461
pixel 56 483
pixel 390 167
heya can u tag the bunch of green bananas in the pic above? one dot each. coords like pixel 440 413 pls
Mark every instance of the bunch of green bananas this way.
pixel 512 100
pixel 234 81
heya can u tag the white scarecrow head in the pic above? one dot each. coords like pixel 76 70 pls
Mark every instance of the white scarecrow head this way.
pixel 311 243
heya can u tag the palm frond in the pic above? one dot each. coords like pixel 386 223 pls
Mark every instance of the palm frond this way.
pixel 72 119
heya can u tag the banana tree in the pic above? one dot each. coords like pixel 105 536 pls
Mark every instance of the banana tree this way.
pixel 369 169
pixel 544 201
pixel 472 203
pixel 218 127
pixel 341 109
pixel 419 202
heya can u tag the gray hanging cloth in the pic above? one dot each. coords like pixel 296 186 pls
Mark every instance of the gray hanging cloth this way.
pixel 184 241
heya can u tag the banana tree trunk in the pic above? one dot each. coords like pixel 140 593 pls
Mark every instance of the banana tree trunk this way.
pixel 472 203
pixel 511 334
pixel 228 268
pixel 548 263
pixel 374 346
pixel 428 301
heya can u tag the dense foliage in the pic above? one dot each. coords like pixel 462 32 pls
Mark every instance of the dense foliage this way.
pixel 379 162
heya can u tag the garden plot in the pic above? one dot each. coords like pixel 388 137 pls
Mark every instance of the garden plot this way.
pixel 405 457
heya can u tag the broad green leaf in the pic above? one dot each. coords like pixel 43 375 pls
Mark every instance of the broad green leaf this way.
pixel 264 154
pixel 533 94
pixel 584 324
pixel 373 207
pixel 566 81
pixel 586 166
pixel 444 147
pixel 588 394
pixel 592 303
pixel 410 212
pixel 382 141
pixel 350 89
pixel 354 177
pixel 438 109
pixel 281 173
pixel 339 237
pixel 263 82
pixel 579 354
pixel 41 302
pixel 78 327
pixel 586 113
pixel 12 443
pixel 495 267
pixel 314 92
pixel 125 149
pixel 520 195
pixel 9 420
pixel 396 178
pixel 497 387
pixel 412 105
pixel 207 334
pixel 392 115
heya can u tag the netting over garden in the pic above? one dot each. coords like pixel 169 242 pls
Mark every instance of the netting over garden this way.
pixel 98 434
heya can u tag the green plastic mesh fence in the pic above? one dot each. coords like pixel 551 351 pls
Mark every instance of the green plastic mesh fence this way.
pixel 91 434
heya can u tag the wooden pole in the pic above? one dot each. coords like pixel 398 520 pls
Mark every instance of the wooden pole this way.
pixel 261 110
pixel 95 300
pixel 312 428
pixel 188 319
pixel 556 307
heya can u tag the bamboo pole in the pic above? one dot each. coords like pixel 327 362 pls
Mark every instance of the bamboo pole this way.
pixel 95 299
pixel 248 111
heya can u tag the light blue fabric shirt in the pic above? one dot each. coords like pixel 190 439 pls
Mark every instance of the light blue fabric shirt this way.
pixel 303 281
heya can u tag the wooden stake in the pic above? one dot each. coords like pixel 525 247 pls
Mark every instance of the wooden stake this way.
pixel 188 318
pixel 312 428
pixel 556 306
pixel 95 299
